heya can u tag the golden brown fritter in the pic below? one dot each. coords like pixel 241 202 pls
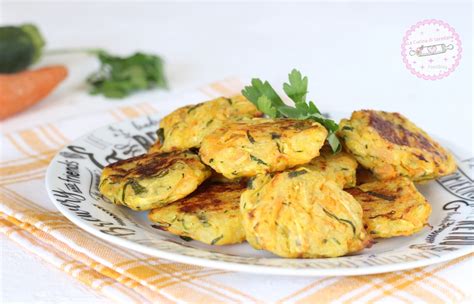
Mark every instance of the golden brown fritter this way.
pixel 390 145
pixel 301 214
pixel 340 167
pixel 210 214
pixel 248 148
pixel 392 207
pixel 185 127
pixel 152 180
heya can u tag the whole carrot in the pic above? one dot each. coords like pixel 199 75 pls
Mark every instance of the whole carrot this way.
pixel 22 90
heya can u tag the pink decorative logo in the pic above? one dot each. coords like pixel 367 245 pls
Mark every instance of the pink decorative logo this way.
pixel 431 49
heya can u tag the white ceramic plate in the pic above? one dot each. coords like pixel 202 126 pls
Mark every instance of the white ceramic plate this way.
pixel 73 176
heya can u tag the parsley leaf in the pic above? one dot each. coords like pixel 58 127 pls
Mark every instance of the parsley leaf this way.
pixel 297 88
pixel 271 100
pixel 118 77
pixel 265 105
pixel 264 97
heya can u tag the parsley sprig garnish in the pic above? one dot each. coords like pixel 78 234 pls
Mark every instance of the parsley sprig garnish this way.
pixel 265 98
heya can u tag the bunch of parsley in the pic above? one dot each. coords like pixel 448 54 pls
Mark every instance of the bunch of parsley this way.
pixel 118 77
pixel 265 98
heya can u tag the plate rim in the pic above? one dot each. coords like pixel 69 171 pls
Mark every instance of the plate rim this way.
pixel 234 266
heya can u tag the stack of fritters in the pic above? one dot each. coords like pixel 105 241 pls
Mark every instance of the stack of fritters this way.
pixel 274 183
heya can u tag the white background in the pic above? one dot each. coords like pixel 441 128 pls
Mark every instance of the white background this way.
pixel 350 52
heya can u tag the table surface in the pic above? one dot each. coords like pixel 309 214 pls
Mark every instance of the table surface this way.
pixel 350 52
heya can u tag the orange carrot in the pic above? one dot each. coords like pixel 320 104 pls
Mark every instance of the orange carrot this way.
pixel 22 90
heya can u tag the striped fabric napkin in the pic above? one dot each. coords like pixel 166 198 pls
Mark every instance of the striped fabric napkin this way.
pixel 27 217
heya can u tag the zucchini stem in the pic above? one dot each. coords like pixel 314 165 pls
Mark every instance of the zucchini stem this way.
pixel 87 51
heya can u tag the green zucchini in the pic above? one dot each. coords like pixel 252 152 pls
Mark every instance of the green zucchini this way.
pixel 20 46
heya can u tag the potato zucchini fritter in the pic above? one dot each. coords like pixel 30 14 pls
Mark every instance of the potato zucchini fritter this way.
pixel 300 213
pixel 243 149
pixel 210 214
pixel 340 167
pixel 152 180
pixel 185 127
pixel 390 145
pixel 392 207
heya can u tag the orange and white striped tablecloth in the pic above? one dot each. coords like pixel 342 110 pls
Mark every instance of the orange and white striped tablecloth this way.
pixel 27 217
